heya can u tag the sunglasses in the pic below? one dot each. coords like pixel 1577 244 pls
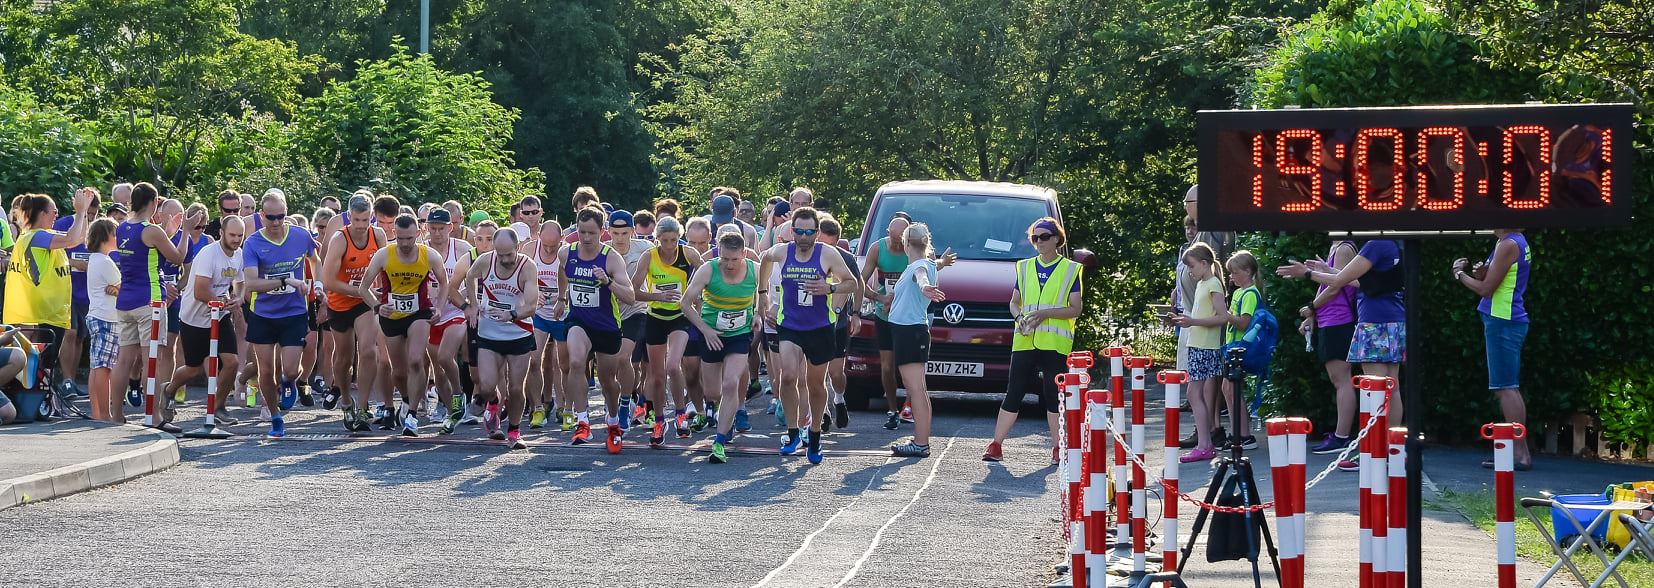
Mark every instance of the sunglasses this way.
pixel 275 218
pixel 230 210
pixel 530 213
pixel 804 232
pixel 1041 237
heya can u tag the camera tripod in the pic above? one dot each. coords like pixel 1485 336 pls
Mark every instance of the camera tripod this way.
pixel 1235 464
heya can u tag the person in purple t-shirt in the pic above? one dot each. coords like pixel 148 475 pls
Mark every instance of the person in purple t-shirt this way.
pixel 1379 341
pixel 79 307
pixel 275 259
pixel 1333 321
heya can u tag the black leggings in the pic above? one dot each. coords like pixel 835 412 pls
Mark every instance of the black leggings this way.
pixel 1034 370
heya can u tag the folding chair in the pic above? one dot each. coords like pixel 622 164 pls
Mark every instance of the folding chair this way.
pixel 1583 539
pixel 1641 538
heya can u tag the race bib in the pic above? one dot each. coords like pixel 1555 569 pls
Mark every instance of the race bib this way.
pixel 356 284
pixel 80 256
pixel 497 305
pixel 583 296
pixel 673 287
pixel 869 307
pixel 285 288
pixel 729 320
pixel 890 285
pixel 805 298
pixel 404 303
pixel 548 293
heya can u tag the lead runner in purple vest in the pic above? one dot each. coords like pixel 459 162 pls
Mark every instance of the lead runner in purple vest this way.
pixel 804 323
pixel 594 287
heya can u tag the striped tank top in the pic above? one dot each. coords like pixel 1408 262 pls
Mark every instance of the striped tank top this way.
pixel 501 293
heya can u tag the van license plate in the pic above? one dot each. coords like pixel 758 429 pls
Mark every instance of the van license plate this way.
pixel 953 368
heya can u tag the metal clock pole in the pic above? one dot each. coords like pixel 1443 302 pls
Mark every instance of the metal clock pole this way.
pixel 1413 399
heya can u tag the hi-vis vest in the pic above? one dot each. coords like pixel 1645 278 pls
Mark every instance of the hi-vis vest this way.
pixel 1052 334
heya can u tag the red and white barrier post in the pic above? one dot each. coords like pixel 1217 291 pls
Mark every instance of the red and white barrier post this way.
pixel 1505 436
pixel 1174 381
pixel 1073 472
pixel 1096 485
pixel 152 416
pixel 1281 478
pixel 1373 391
pixel 1377 471
pixel 1297 451
pixel 1397 511
pixel 209 429
pixel 1139 479
pixel 1117 423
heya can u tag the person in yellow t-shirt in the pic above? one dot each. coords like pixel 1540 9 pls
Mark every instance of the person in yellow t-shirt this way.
pixel 1205 321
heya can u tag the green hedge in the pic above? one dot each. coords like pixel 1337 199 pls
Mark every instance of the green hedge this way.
pixel 1589 293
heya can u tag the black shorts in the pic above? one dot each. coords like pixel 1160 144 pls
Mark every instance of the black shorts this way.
pixel 285 331
pixel 399 327
pixel 881 331
pixel 660 329
pixel 77 316
pixel 472 342
pixel 522 346
pixel 737 345
pixel 1034 371
pixel 1333 343
pixel 816 343
pixel 634 328
pixel 603 342
pixel 197 342
pixel 772 341
pixel 696 346
pixel 912 344
pixel 342 321
pixel 841 342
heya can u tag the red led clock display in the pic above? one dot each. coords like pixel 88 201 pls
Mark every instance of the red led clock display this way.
pixel 1415 169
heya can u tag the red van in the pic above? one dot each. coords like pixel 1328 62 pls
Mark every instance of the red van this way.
pixel 986 224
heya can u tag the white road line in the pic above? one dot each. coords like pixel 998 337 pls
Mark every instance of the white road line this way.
pixel 805 546
pixel 880 534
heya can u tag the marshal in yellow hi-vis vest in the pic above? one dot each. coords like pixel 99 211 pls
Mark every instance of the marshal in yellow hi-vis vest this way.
pixel 37 284
pixel 1051 334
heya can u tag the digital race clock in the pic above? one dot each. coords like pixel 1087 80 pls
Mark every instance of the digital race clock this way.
pixel 1444 168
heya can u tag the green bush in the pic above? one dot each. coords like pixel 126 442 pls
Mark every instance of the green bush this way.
pixel 1624 400
pixel 42 148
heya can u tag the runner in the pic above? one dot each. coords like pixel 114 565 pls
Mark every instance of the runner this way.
pixel 545 371
pixel 848 307
pixel 274 259
pixel 482 240
pixel 448 331
pixel 213 275
pixel 633 315
pixel 910 319
pixel 505 280
pixel 698 237
pixel 719 301
pixel 353 329
pixel 804 323
pixel 140 247
pixel 662 277
pixel 771 340
pixel 886 260
pixel 404 306
pixel 594 287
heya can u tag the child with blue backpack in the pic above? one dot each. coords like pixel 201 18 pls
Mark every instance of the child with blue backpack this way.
pixel 1243 305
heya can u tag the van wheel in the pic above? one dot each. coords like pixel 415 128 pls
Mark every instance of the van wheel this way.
pixel 861 392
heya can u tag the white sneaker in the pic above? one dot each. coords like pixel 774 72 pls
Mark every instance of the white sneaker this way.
pixel 410 425
pixel 470 418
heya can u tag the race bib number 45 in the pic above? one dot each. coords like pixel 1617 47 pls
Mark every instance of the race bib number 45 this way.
pixel 583 296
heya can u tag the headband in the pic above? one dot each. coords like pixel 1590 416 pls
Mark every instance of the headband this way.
pixel 1046 224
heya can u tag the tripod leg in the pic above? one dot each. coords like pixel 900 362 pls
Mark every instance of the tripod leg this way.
pixel 1262 521
pixel 1200 517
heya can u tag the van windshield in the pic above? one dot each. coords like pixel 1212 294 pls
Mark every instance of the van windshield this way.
pixel 991 228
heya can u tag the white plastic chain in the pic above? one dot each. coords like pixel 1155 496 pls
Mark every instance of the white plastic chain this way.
pixel 1151 479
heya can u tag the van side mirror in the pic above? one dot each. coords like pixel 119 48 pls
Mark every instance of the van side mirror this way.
pixel 1086 258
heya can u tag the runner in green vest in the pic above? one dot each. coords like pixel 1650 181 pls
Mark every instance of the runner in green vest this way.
pixel 1046 301
pixel 719 302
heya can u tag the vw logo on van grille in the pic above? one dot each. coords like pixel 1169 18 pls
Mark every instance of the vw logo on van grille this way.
pixel 953 313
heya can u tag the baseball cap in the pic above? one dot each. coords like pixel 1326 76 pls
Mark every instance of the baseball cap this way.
pixel 608 207
pixel 620 219
pixel 477 216
pixel 521 230
pixel 723 210
pixel 782 208
pixel 115 207
pixel 438 216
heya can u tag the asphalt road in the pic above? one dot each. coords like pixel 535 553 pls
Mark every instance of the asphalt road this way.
pixel 322 509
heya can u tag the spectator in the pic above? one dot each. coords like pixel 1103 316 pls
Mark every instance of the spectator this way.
pixel 910 321
pixel 1333 322
pixel 1502 281
pixel 103 282
pixel 1208 313
pixel 12 360
pixel 1243 274
pixel 37 281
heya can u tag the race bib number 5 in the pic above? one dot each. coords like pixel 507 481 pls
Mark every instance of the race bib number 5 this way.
pixel 730 320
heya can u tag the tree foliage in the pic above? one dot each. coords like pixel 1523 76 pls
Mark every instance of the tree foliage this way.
pixel 42 148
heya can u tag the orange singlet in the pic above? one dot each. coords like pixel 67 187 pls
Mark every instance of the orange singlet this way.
pixel 351 267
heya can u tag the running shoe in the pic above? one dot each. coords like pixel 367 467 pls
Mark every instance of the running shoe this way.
pixel 648 419
pixel 994 452
pixel 826 423
pixel 470 418
pixel 350 420
pixel 582 434
pixel 449 424
pixel 680 423
pixel 789 445
pixel 317 383
pixel 223 419
pixel 718 455
pixel 69 390
pixel 135 396
pixel 891 421
pixel 491 423
pixel 387 419
pixel 698 423
pixel 910 449
pixel 753 390
pixel 538 419
pixel 1189 442
pixel 1198 454
pixel 639 409
pixel 515 440
pixel 568 421
pixel 743 423
pixel 614 439
pixel 304 396
pixel 252 395
pixel 330 400
pixel 410 425
pixel 1220 437
pixel 1348 466
pixel 364 420
pixel 178 396
pixel 775 406
pixel 657 436
pixel 289 395
pixel 278 428
pixel 1249 442
pixel 841 415
pixel 1331 443
pixel 907 413
pixel 813 454
pixel 780 414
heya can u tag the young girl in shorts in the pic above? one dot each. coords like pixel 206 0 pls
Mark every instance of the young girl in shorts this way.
pixel 1205 321
pixel 103 282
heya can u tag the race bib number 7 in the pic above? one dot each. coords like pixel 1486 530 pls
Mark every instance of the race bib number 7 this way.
pixel 805 298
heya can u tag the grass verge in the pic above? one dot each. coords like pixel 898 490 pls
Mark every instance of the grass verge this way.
pixel 1479 508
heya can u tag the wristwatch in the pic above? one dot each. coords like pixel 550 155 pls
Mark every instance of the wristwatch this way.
pixel 1308 273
